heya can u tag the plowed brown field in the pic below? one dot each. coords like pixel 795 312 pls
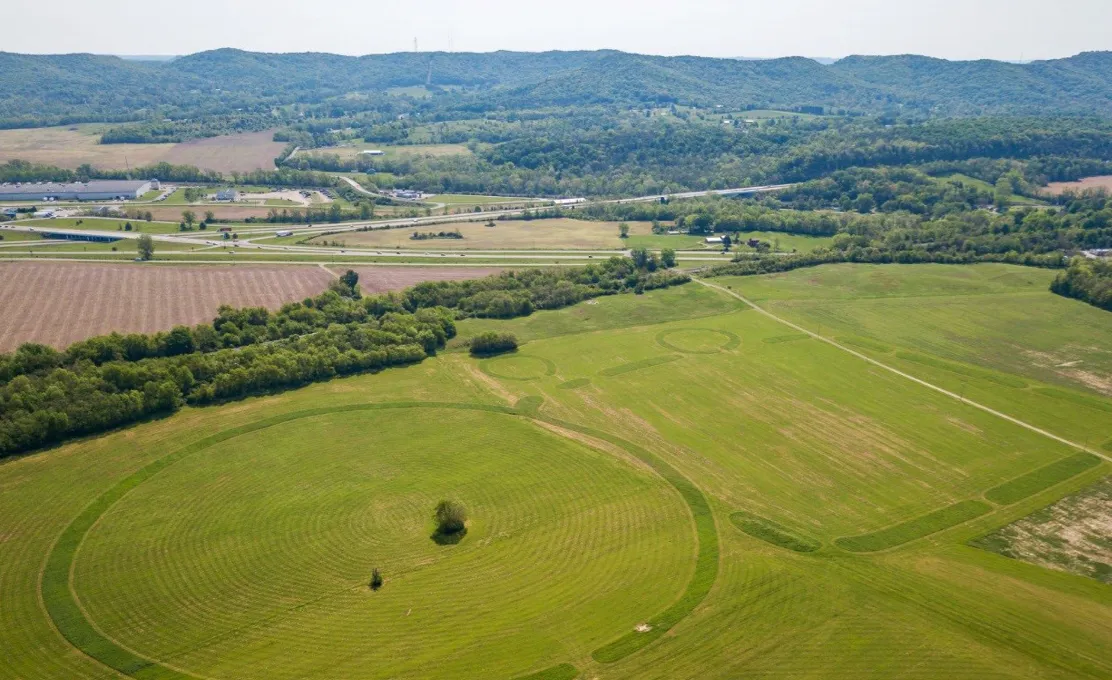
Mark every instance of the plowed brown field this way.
pixel 57 303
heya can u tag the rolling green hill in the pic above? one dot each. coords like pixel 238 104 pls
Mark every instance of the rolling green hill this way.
pixel 81 86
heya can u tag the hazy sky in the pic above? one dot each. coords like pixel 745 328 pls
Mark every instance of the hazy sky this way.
pixel 954 29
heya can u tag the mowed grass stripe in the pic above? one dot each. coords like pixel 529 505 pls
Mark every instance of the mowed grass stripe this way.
pixel 1040 479
pixel 638 365
pixel 66 612
pixel 772 532
pixel 918 527
pixel 967 371
pixel 564 671
pixel 706 562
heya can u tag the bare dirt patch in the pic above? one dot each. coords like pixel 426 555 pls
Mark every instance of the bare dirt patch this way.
pixel 228 153
pixel 1083 184
pixel 1074 534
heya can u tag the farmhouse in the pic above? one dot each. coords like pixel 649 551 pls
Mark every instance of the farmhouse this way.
pixel 98 190
pixel 226 195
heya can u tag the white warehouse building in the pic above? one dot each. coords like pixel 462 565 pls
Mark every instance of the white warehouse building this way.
pixel 97 190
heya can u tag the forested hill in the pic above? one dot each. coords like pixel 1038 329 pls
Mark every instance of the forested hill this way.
pixel 96 87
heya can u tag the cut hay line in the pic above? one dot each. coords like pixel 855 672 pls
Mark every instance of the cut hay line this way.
pixel 865 343
pixel 564 671
pixel 772 532
pixel 71 622
pixel 1094 403
pixel 732 340
pixel 1041 479
pixel 638 365
pixel 546 367
pixel 791 337
pixel 574 384
pixel 967 371
pixel 916 528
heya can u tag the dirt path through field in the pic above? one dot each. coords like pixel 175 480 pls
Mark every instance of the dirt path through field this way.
pixel 908 376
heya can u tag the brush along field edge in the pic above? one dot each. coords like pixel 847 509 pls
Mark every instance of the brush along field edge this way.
pixel 64 609
pixel 890 369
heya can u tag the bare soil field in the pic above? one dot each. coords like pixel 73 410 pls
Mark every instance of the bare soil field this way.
pixel 1071 535
pixel 354 151
pixel 235 213
pixel 243 152
pixel 70 146
pixel 508 234
pixel 1101 182
pixel 87 299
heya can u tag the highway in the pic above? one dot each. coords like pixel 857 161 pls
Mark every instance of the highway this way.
pixel 250 233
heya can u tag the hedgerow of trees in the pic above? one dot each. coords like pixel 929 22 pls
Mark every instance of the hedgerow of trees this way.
pixel 49 396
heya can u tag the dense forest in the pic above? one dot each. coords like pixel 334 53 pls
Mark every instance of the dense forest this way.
pixel 62 89
pixel 47 396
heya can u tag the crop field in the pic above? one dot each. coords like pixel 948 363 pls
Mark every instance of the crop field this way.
pixel 57 303
pixel 550 234
pixel 1101 182
pixel 73 145
pixel 660 486
pixel 227 153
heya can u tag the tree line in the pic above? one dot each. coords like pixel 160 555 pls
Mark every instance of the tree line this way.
pixel 48 396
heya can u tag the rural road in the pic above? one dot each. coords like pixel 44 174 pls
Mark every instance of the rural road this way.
pixel 908 376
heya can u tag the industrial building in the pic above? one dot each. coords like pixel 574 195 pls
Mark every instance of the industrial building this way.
pixel 97 190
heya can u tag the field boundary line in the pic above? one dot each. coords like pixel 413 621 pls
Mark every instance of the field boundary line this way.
pixel 70 619
pixel 920 381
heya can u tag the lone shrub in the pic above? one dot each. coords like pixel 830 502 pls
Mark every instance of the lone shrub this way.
pixel 491 342
pixel 376 579
pixel 451 517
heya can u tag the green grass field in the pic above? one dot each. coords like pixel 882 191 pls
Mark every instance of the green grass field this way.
pixel 670 485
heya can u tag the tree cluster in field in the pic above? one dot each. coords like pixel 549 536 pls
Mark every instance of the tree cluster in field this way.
pixel 1089 280
pixel 490 343
pixel 519 293
pixel 48 396
pixel 450 517
pixel 426 235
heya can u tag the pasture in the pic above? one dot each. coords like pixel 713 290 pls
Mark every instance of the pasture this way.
pixel 668 485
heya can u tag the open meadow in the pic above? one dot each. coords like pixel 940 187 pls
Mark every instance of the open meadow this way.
pixel 1084 184
pixel 668 485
